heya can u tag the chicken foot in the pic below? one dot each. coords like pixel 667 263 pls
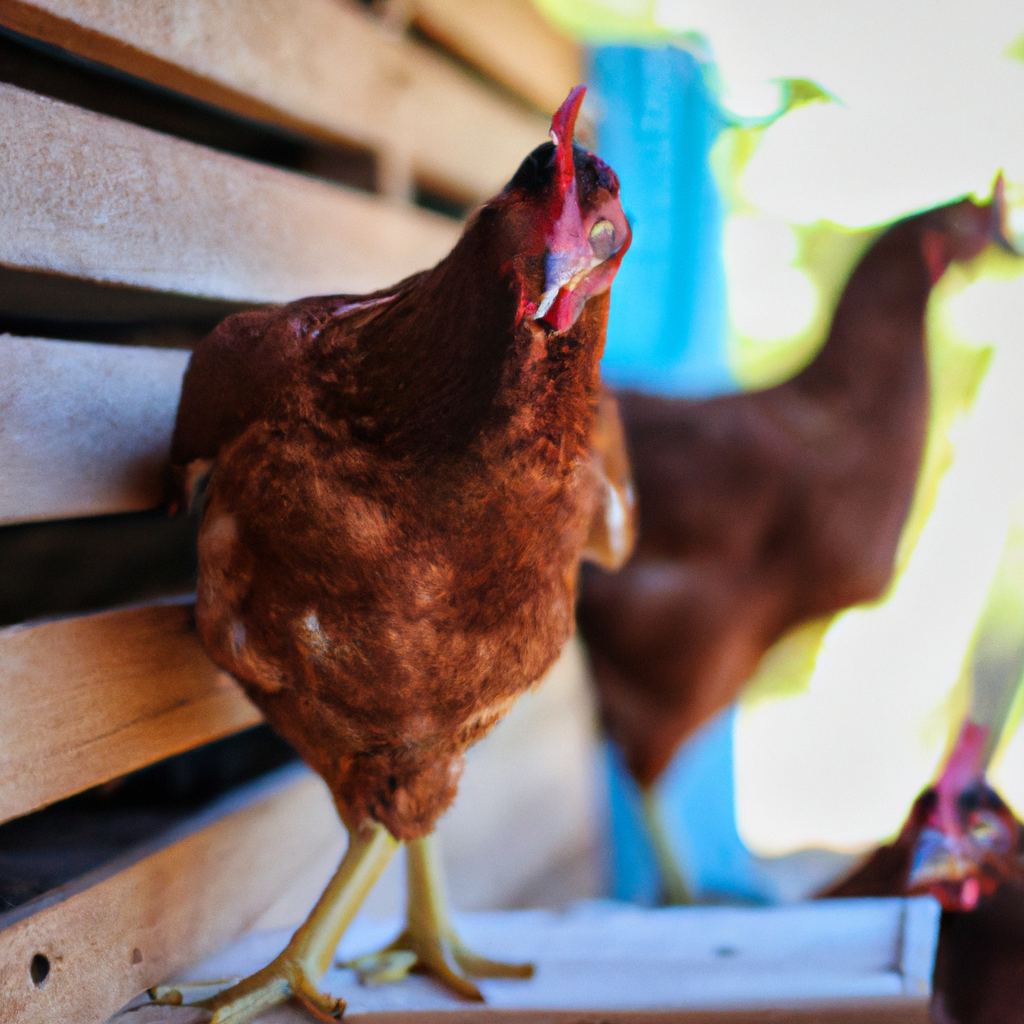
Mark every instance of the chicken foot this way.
pixel 429 943
pixel 295 972
pixel 674 890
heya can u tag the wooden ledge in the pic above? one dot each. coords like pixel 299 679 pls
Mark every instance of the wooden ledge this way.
pixel 88 699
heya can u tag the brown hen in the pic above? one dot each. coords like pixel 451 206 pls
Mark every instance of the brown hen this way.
pixel 763 510
pixel 400 488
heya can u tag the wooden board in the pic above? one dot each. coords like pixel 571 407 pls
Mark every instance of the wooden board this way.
pixel 125 927
pixel 881 1013
pixel 321 66
pixel 88 699
pixel 84 429
pixel 835 960
pixel 607 956
pixel 89 196
pixel 508 40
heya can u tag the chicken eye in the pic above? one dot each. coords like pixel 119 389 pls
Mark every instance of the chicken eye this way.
pixel 602 239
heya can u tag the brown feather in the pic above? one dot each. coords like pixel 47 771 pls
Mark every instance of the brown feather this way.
pixel 402 491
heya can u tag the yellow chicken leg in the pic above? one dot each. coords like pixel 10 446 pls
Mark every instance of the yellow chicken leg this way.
pixel 674 890
pixel 429 943
pixel 295 972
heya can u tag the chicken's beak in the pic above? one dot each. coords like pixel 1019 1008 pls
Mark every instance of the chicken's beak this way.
pixel 1001 234
pixel 573 274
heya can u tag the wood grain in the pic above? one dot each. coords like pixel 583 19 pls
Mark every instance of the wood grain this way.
pixel 88 699
pixel 84 429
pixel 319 66
pixel 510 41
pixel 882 1012
pixel 89 196
pixel 113 934
pixel 835 960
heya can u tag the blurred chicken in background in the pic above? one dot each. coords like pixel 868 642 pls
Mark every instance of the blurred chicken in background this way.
pixel 764 510
pixel 743 239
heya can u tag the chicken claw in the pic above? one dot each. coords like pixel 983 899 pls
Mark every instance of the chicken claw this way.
pixel 295 972
pixel 429 944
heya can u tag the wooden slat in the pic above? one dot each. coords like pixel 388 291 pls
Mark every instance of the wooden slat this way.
pixel 89 196
pixel 84 429
pixel 508 40
pixel 88 699
pixel 321 66
pixel 144 918
pixel 823 961
pixel 880 1013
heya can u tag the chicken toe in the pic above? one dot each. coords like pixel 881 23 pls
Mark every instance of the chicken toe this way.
pixel 295 972
pixel 429 943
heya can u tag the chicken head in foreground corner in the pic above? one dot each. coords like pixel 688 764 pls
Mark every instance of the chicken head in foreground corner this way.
pixel 961 842
pixel 764 510
pixel 398 490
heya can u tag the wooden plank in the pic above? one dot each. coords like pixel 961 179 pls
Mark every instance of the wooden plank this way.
pixel 88 699
pixel 89 196
pixel 84 429
pixel 615 957
pixel 319 66
pixel 837 960
pixel 114 933
pixel 508 40
pixel 880 1012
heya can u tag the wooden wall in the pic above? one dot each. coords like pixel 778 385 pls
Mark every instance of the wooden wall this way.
pixel 160 166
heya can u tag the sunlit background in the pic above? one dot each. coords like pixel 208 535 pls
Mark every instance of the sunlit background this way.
pixel 924 103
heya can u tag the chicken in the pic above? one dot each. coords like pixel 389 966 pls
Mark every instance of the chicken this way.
pixel 979 964
pixel 397 490
pixel 960 842
pixel 762 510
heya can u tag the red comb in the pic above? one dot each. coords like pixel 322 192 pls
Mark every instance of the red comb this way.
pixel 562 126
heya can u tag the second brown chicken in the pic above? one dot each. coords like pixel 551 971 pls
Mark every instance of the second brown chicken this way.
pixel 763 510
